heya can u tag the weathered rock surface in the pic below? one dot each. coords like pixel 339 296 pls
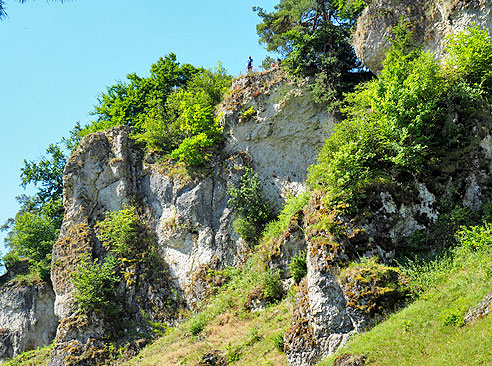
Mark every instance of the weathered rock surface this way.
pixel 282 134
pixel 350 360
pixel 27 319
pixel 187 216
pixel 431 20
pixel 484 308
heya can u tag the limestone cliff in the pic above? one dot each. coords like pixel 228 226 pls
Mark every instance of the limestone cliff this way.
pixel 432 21
pixel 27 319
pixel 186 214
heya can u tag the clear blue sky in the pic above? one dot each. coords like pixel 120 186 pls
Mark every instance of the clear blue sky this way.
pixel 57 57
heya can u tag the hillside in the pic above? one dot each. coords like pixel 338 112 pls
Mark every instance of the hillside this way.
pixel 312 213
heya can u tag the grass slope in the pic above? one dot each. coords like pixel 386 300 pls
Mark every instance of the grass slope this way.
pixel 430 331
pixel 243 339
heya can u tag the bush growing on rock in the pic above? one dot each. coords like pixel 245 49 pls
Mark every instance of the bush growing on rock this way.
pixel 298 267
pixel 118 231
pixel 252 209
pixel 95 285
pixel 396 125
pixel 172 111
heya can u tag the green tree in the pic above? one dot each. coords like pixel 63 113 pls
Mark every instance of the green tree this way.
pixel 252 209
pixel 186 125
pixel 314 35
pixel 128 103
pixel 35 227
pixel 46 174
pixel 32 234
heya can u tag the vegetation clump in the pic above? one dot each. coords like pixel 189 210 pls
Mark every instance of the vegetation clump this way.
pixel 172 110
pixel 395 125
pixel 315 38
pixel 95 285
pixel 252 209
pixel 373 290
pixel 298 267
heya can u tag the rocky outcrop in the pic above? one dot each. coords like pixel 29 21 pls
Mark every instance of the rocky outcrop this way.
pixel 27 319
pixel 431 20
pixel 330 307
pixel 185 213
pixel 279 125
pixel 484 308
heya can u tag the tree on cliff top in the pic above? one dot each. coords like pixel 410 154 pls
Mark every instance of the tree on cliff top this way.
pixel 304 16
pixel 314 35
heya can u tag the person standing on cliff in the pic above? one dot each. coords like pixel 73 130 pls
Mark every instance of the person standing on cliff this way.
pixel 250 64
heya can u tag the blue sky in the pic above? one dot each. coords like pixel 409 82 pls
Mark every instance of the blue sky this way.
pixel 56 58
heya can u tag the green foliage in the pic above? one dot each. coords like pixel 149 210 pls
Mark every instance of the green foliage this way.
pixel 452 317
pixel 172 110
pixel 298 267
pixel 292 205
pixel 232 354
pixel 197 323
pixel 128 103
pixel 202 131
pixel 246 228
pixel 95 285
pixel 278 341
pixel 36 357
pixel 34 230
pixel 47 172
pixel 195 150
pixel 32 234
pixel 468 58
pixel 251 207
pixel 315 37
pixel 254 335
pixel 487 211
pixel 272 286
pixel 325 53
pixel 394 125
pixel 475 237
pixel 248 113
pixel 118 231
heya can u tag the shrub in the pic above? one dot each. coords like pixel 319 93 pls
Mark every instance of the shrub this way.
pixel 475 237
pixel 395 125
pixel 248 113
pixel 233 353
pixel 468 57
pixel 451 317
pixel 278 341
pixel 252 208
pixel 245 228
pixel 195 150
pixel 118 231
pixel 292 205
pixel 32 235
pixel 272 286
pixel 197 324
pixel 95 284
pixel 298 267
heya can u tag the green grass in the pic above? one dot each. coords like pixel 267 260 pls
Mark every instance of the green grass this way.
pixel 244 338
pixel 38 357
pixel 430 331
pixel 224 324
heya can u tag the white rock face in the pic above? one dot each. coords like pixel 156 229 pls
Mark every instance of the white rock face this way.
pixel 192 222
pixel 432 21
pixel 27 319
pixel 189 217
pixel 282 136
